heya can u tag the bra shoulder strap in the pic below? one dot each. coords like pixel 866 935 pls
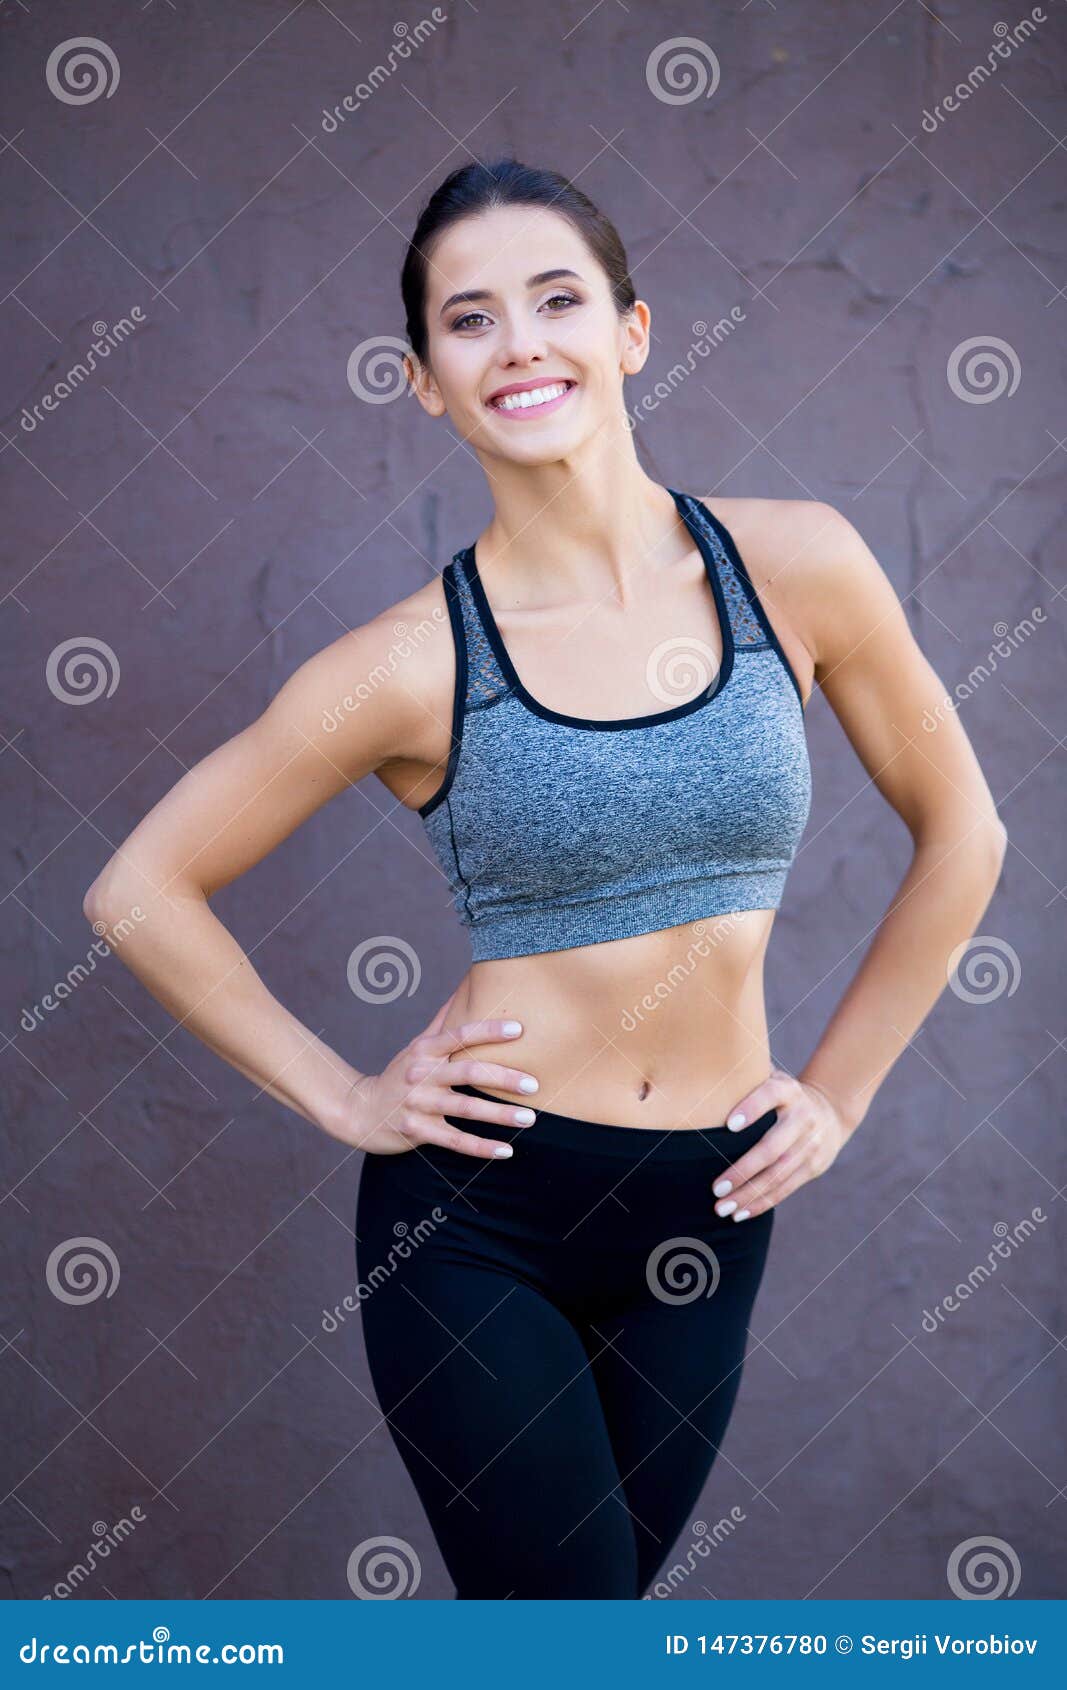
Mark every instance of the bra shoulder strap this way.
pixel 748 622
pixel 750 626
pixel 485 683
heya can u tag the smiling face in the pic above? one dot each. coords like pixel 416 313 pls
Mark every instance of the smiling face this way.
pixel 527 351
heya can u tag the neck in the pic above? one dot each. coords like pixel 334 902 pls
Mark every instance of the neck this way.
pixel 578 528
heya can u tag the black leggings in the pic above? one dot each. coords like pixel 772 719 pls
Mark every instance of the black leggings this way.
pixel 556 1341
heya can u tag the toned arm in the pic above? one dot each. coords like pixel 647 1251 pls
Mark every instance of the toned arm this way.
pixel 886 695
pixel 225 815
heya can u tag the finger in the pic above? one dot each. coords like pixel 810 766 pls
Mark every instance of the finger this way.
pixel 772 1198
pixel 435 1130
pixel 439 1099
pixel 767 1149
pixel 468 1070
pixel 773 1093
pixel 455 1037
pixel 752 1191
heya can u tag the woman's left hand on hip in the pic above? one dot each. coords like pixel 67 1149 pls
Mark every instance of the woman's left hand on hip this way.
pixel 801 1145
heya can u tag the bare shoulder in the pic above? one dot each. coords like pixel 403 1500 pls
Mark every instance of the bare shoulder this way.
pixel 370 692
pixel 812 569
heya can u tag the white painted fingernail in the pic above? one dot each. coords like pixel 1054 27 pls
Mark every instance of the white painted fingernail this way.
pixel 741 1215
pixel 503 1150
pixel 735 1122
pixel 724 1209
pixel 528 1083
pixel 722 1186
pixel 525 1117
pixel 512 1027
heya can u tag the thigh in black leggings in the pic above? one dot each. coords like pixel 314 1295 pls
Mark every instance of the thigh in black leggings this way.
pixel 556 1341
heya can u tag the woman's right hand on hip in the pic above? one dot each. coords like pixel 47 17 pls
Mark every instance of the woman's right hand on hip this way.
pixel 406 1104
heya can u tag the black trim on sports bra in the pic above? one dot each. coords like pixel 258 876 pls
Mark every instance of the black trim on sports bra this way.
pixel 459 641
pixel 752 595
pixel 620 724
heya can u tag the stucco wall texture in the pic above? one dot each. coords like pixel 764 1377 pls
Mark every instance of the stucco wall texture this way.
pixel 227 489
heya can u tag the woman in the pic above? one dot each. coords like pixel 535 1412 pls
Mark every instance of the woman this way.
pixel 601 727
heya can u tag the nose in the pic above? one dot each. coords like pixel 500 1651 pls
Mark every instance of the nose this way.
pixel 521 340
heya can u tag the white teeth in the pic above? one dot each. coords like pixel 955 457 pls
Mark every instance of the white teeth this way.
pixel 533 396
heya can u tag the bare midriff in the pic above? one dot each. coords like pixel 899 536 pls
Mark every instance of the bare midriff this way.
pixel 661 1030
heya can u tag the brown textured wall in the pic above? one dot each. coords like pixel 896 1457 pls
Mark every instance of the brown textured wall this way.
pixel 213 503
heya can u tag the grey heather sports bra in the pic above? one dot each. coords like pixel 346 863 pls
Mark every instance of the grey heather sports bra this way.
pixel 555 831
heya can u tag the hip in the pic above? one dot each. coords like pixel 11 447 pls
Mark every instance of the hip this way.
pixel 581 1202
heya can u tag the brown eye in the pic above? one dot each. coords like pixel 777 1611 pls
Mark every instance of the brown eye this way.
pixel 466 318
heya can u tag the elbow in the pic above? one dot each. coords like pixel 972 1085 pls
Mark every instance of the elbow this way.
pixel 104 897
pixel 998 846
pixel 91 908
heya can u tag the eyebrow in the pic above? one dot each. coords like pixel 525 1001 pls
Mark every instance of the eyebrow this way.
pixel 476 295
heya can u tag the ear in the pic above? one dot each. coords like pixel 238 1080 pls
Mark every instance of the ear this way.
pixel 423 385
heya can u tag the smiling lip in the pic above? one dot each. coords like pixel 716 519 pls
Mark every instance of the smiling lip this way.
pixel 530 387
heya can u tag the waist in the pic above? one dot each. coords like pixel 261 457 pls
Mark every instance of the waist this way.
pixel 650 1032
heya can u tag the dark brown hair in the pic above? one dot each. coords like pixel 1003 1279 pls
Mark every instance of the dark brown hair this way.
pixel 479 186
